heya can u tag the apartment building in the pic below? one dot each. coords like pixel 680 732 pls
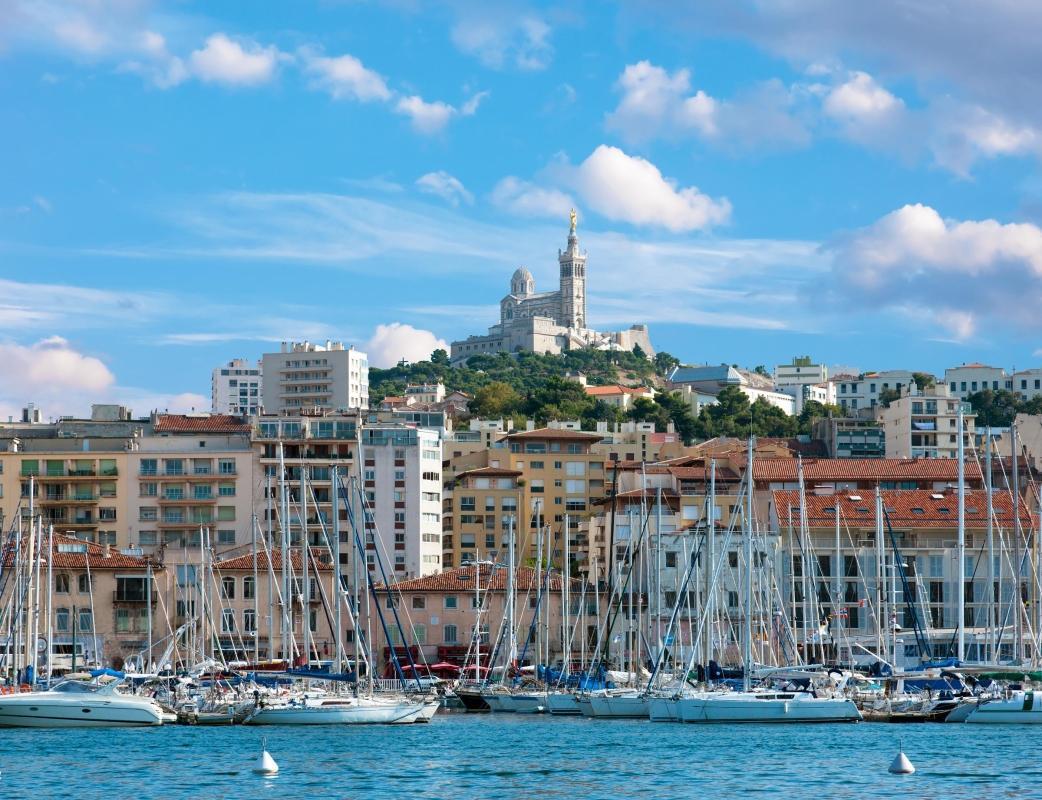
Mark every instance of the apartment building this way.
pixel 851 437
pixel 309 377
pixel 925 424
pixel 967 379
pixel 713 379
pixel 99 603
pixel 805 380
pixel 560 473
pixel 396 467
pixel 235 388
pixel 857 392
pixel 924 524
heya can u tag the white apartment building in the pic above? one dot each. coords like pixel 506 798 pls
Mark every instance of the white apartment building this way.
pixel 925 425
pixel 235 388
pixel 855 392
pixel 1027 383
pixel 304 376
pixel 968 379
pixel 712 379
pixel 424 393
pixel 399 469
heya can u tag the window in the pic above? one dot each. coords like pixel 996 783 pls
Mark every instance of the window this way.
pixel 83 583
pixel 228 588
pixel 226 513
pixel 450 634
pixel 61 583
pixel 249 620
pixel 451 601
pixel 86 620
pixel 226 466
pixel 671 559
pixel 249 588
pixel 228 620
pixel 122 620
pixel 575 469
pixel 419 602
pixel 61 620
pixel 226 536
pixel 226 489
pixel 575 487
pixel 468 504
pixel 106 515
pixel 186 574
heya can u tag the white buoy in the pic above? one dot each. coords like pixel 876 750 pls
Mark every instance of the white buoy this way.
pixel 901 765
pixel 265 764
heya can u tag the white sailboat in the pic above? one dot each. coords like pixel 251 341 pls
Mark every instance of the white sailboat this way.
pixel 761 705
pixel 1022 708
pixel 78 704
pixel 333 710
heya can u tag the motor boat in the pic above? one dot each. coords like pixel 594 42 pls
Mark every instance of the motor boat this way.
pixel 333 710
pixel 79 704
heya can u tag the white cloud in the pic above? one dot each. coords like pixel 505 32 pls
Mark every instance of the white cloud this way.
pixel 658 104
pixel 234 63
pixel 51 373
pixel 40 305
pixel 859 99
pixel 346 77
pixel 448 187
pixel 498 35
pixel 527 199
pixel 429 118
pixel 630 189
pixel 955 272
pixel 395 341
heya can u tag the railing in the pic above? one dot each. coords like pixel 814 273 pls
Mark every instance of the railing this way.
pixel 134 597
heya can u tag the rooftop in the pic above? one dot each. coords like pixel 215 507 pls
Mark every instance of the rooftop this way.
pixel 919 508
pixel 555 433
pixel 200 423
pixel 869 469
pixel 462 579
pixel 72 553
pixel 245 562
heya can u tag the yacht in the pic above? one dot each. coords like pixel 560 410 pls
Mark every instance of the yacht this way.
pixel 342 710
pixel 1018 709
pixel 78 704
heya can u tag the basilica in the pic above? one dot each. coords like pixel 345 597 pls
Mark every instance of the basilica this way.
pixel 549 322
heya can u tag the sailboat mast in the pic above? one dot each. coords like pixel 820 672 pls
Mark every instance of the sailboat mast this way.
pixel 991 550
pixel 837 582
pixel 566 579
pixel 1018 603
pixel 880 577
pixel 305 578
pixel 338 588
pixel 707 566
pixel 287 588
pixel 961 546
pixel 747 633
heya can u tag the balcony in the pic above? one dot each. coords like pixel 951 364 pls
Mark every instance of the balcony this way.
pixel 124 596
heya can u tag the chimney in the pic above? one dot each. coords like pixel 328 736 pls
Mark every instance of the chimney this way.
pixel 106 550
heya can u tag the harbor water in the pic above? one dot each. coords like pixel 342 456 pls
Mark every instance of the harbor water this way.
pixel 509 756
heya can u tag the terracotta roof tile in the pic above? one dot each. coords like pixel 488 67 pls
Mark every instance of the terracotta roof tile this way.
pixel 245 562
pixel 874 469
pixel 918 508
pixel 72 553
pixel 462 579
pixel 201 423
pixel 609 391
pixel 555 433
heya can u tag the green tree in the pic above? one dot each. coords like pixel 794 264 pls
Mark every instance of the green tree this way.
pixel 995 408
pixel 440 357
pixel 812 410
pixel 665 363
pixel 923 380
pixel 495 400
pixel 887 396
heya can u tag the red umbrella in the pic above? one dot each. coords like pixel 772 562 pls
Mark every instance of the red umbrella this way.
pixel 445 666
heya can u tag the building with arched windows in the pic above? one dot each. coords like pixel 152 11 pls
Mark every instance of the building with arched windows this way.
pixel 549 322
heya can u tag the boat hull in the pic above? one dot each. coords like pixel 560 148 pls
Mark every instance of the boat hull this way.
pixel 562 704
pixel 1025 709
pixel 663 709
pixel 619 706
pixel 472 702
pixel 752 708
pixel 27 711
pixel 340 714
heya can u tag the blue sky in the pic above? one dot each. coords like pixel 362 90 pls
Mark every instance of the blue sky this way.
pixel 184 183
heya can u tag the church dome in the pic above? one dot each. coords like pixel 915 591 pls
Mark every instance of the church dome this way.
pixel 522 282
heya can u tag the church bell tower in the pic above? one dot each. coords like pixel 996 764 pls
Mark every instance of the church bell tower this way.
pixel 573 281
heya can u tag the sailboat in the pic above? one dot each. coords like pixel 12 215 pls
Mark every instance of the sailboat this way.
pixel 761 704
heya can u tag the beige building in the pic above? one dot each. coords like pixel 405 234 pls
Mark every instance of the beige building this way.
pixel 99 604
pixel 925 424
